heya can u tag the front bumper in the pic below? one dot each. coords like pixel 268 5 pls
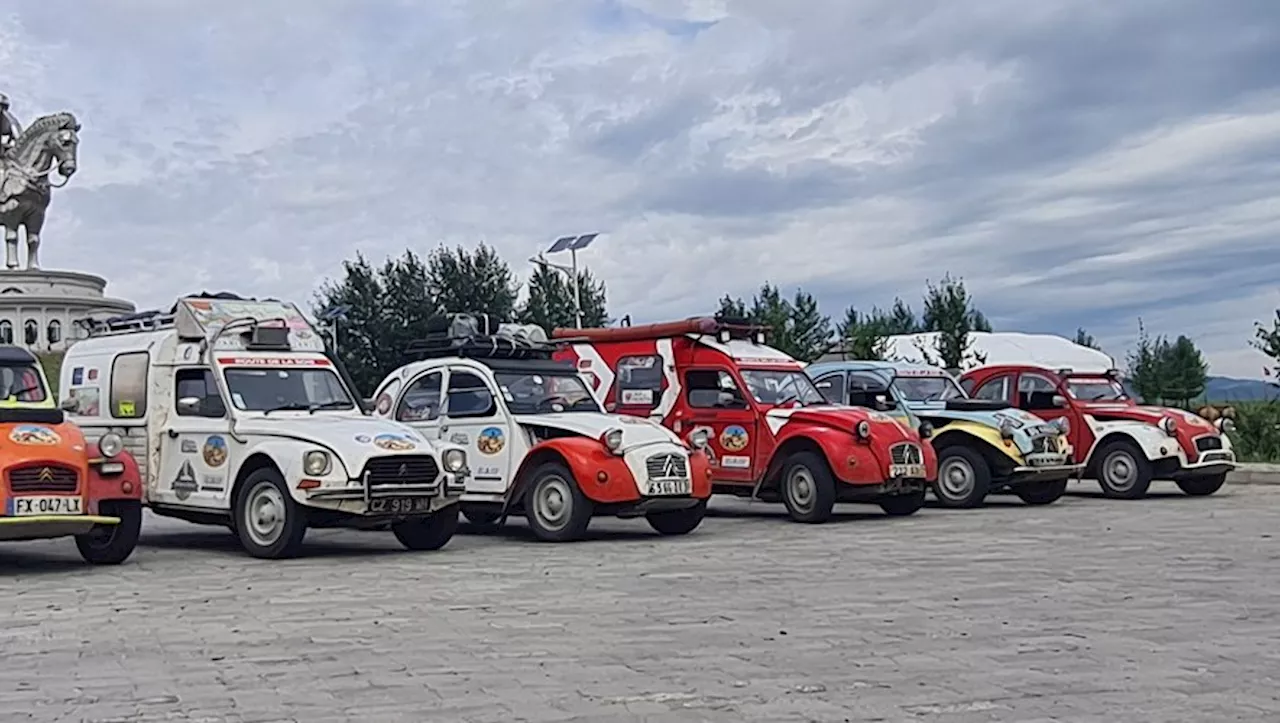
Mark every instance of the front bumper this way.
pixel 361 498
pixel 872 492
pixel 42 527
pixel 1045 473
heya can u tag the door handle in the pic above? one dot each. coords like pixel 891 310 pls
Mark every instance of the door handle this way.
pixel 173 433
pixel 444 428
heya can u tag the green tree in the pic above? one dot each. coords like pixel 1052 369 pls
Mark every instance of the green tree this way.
pixel 595 302
pixel 549 302
pixel 864 336
pixel 902 320
pixel 1084 338
pixel 479 281
pixel 810 330
pixel 1268 341
pixel 732 307
pixel 949 310
pixel 1147 373
pixel 52 363
pixel 1186 371
pixel 769 308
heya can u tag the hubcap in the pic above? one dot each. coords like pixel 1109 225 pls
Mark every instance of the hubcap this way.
pixel 1120 470
pixel 956 478
pixel 553 502
pixel 265 514
pixel 800 488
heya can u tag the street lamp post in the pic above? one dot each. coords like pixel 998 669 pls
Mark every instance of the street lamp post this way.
pixel 571 244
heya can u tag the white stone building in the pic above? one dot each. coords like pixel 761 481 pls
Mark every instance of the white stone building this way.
pixel 39 308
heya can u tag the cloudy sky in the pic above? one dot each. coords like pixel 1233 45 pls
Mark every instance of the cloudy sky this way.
pixel 1079 164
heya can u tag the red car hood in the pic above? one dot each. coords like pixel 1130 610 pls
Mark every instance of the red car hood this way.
pixel 1147 414
pixel 883 427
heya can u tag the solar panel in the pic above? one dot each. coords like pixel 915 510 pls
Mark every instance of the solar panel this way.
pixel 583 241
pixel 562 244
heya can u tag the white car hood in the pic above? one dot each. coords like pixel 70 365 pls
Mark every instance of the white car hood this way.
pixel 636 431
pixel 354 438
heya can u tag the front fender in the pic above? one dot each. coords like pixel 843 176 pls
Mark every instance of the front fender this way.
pixel 602 476
pixel 851 461
pixel 123 485
pixel 1153 442
pixel 286 455
pixel 981 434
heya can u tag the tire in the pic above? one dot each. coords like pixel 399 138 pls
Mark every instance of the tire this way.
pixel 268 522
pixel 555 507
pixel 964 477
pixel 808 488
pixel 483 520
pixel 903 505
pixel 112 544
pixel 1123 471
pixel 1202 486
pixel 678 522
pixel 1041 493
pixel 428 533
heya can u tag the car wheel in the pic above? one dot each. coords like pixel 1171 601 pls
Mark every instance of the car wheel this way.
pixel 482 519
pixel 1041 493
pixel 678 522
pixel 112 544
pixel 903 505
pixel 269 523
pixel 427 533
pixel 1202 486
pixel 808 488
pixel 1123 471
pixel 555 507
pixel 964 477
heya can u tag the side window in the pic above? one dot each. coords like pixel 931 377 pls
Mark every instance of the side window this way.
pixel 128 395
pixel 831 387
pixel 967 386
pixel 863 388
pixel 639 380
pixel 1035 392
pixel 995 389
pixel 713 389
pixel 421 401
pixel 199 384
pixel 469 396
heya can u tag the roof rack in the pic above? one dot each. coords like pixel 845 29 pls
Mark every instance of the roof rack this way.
pixel 151 320
pixel 724 328
pixel 476 336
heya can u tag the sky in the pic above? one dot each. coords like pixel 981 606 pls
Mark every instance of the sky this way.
pixel 1077 164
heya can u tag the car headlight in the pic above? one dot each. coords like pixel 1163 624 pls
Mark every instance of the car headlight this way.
pixel 1226 425
pixel 455 460
pixel 1064 425
pixel 863 429
pixel 1169 425
pixel 926 430
pixel 110 445
pixel 1006 429
pixel 700 439
pixel 612 440
pixel 317 463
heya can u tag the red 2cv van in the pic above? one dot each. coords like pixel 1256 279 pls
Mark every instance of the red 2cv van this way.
pixel 771 434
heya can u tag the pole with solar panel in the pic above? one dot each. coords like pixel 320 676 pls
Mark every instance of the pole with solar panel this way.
pixel 572 244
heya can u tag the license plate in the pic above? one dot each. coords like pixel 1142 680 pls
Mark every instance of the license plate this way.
pixel 399 505
pixel 659 488
pixel 24 506
pixel 906 470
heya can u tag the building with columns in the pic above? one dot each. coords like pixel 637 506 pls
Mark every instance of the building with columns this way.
pixel 39 308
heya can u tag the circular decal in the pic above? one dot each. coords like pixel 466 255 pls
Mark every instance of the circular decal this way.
pixel 34 434
pixel 490 440
pixel 734 438
pixel 384 404
pixel 214 451
pixel 394 441
pixel 363 438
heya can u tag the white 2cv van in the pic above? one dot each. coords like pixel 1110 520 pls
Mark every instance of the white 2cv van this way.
pixel 238 417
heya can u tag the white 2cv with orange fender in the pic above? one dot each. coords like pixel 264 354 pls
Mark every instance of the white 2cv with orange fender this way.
pixel 238 416
pixel 539 441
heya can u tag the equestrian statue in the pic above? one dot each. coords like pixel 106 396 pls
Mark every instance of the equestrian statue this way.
pixel 27 159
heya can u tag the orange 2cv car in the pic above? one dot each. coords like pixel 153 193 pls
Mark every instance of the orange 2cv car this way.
pixel 54 485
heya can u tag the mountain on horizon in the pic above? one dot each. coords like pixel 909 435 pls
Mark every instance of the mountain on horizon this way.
pixel 1228 389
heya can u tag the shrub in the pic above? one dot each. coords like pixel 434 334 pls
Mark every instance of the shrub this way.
pixel 1257 435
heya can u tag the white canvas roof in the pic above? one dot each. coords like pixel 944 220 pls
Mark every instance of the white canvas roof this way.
pixel 1043 350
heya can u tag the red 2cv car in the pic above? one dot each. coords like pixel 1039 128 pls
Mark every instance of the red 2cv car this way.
pixel 1124 445
pixel 771 434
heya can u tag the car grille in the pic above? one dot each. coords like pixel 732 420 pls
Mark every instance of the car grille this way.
pixel 1044 445
pixel 667 466
pixel 906 454
pixel 43 478
pixel 401 470
pixel 1217 457
pixel 1206 444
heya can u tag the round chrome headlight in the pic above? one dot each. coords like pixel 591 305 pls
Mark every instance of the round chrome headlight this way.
pixel 110 445
pixel 454 460
pixel 1226 425
pixel 1006 429
pixel 1169 425
pixel 926 430
pixel 317 463
pixel 700 438
pixel 1064 425
pixel 612 440
pixel 863 429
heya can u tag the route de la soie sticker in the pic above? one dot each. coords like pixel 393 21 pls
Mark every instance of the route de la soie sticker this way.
pixel 35 435
pixel 214 451
pixel 394 442
pixel 734 438
pixel 491 441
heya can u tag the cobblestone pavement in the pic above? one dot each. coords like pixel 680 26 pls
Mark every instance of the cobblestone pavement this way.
pixel 1088 610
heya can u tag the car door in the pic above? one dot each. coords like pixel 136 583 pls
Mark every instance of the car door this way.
pixel 197 453
pixel 832 387
pixel 473 418
pixel 717 404
pixel 1037 394
pixel 419 404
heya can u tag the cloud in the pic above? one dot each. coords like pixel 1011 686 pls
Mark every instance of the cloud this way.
pixel 1077 166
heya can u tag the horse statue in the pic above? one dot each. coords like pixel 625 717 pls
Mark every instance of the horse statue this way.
pixel 25 187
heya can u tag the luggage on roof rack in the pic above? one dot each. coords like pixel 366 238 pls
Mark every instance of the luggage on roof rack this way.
pixel 477 336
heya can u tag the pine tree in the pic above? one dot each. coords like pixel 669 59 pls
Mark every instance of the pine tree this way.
pixel 477 282
pixel 1187 370
pixel 864 337
pixel 810 330
pixel 1147 373
pixel 549 302
pixel 948 310
pixel 902 320
pixel 1084 338
pixel 1267 341
pixel 733 308
pixel 594 300
pixel 770 309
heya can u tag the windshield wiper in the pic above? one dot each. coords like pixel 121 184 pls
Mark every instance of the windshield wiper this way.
pixel 20 392
pixel 332 404
pixel 290 407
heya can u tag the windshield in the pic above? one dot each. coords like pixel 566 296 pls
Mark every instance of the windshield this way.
pixel 927 389
pixel 542 393
pixel 1095 389
pixel 286 389
pixel 21 383
pixel 781 387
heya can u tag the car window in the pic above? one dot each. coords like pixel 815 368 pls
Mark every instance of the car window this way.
pixel 1035 392
pixel 864 387
pixel 639 380
pixel 199 384
pixel 469 396
pixel 831 387
pixel 712 389
pixel 128 393
pixel 421 401
pixel 995 389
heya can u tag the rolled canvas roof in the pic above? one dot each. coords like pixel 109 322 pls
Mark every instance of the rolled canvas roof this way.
pixel 1044 350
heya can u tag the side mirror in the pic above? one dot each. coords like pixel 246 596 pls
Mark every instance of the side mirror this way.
pixel 823 385
pixel 189 405
pixel 69 405
pixel 882 403
pixel 1058 401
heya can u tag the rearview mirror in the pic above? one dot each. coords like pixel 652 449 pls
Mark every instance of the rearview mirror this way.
pixel 882 403
pixel 1058 401
pixel 190 405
